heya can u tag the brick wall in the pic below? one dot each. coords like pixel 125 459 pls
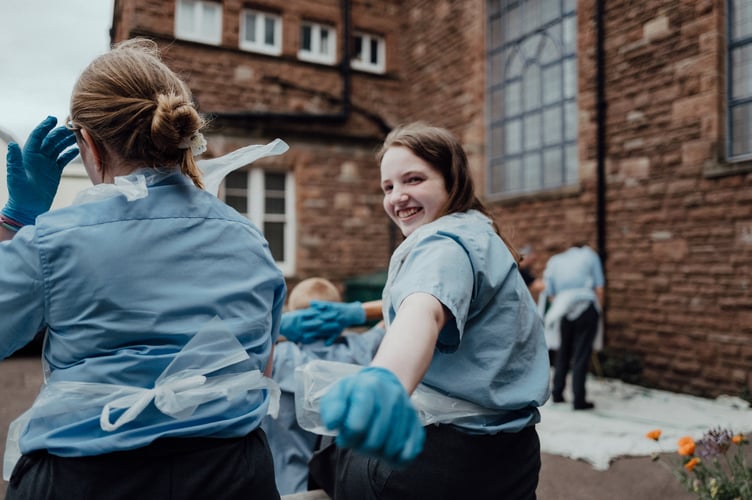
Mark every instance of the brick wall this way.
pixel 678 240
pixel 678 237
pixel 679 267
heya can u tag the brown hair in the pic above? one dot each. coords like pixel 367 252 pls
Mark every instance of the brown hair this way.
pixel 442 151
pixel 129 101
pixel 312 289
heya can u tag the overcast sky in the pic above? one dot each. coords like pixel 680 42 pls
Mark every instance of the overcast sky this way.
pixel 44 46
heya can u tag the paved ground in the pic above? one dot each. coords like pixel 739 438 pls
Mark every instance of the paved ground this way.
pixel 560 478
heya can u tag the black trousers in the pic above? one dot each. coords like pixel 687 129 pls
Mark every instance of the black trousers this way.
pixel 168 469
pixel 576 348
pixel 452 466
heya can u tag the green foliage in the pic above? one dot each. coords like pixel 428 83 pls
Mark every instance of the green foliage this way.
pixel 622 365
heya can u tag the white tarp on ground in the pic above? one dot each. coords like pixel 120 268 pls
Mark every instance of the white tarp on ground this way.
pixel 622 416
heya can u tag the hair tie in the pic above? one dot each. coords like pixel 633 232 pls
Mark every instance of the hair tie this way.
pixel 196 142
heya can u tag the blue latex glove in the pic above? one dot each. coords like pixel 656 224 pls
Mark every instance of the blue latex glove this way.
pixel 321 321
pixel 34 174
pixel 306 326
pixel 345 313
pixel 372 413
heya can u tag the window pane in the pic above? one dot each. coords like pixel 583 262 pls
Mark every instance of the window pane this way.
pixel 512 181
pixel 513 142
pixel 548 51
pixel 551 9
pixel 274 181
pixel 358 48
pixel 532 171
pixel 237 180
pixel 239 203
pixel 512 23
pixel 570 78
pixel 497 109
pixel 275 235
pixel 570 121
pixel 514 65
pixel 496 178
pixel 531 87
pixel 497 139
pixel 529 47
pixel 513 101
pixel 305 37
pixel 532 131
pixel 741 69
pixel 553 166
pixel 531 17
pixel 552 123
pixel 374 51
pixel 495 29
pixel 186 17
pixel 324 49
pixel 741 125
pixel 250 27
pixel 553 86
pixel 571 161
pixel 569 37
pixel 209 21
pixel 274 204
pixel 269 30
pixel 742 19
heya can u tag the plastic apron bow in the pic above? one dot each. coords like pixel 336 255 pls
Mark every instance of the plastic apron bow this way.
pixel 189 381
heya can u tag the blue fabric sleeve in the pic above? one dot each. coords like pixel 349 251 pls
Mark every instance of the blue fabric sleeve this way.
pixel 21 292
pixel 440 266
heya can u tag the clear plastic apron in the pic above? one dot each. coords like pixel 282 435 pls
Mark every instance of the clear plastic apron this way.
pixel 183 386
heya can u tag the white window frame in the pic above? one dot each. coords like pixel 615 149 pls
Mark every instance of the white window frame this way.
pixel 255 201
pixel 319 52
pixel 362 61
pixel 190 18
pixel 260 44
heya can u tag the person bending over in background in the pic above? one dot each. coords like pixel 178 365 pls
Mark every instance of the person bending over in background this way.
pixel 291 445
pixel 574 285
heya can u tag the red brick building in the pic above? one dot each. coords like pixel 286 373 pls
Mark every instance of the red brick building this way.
pixel 625 124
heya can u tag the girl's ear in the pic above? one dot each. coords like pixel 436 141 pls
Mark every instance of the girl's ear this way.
pixel 93 148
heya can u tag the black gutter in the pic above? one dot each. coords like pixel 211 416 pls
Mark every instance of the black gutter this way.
pixel 600 131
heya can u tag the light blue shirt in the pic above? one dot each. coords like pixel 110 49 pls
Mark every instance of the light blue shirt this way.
pixel 121 287
pixel 575 268
pixel 292 446
pixel 492 353
pixel 571 278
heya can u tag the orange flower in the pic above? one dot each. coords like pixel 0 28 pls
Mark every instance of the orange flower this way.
pixel 686 446
pixel 654 434
pixel 691 464
pixel 738 439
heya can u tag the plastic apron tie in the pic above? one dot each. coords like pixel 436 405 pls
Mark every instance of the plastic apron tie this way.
pixel 315 378
pixel 134 185
pixel 215 170
pixel 184 385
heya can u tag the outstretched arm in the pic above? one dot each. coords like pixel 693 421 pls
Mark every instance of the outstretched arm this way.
pixel 407 348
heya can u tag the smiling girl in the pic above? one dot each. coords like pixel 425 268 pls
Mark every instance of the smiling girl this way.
pixel 459 320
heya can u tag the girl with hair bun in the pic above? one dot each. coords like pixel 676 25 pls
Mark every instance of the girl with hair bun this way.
pixel 161 304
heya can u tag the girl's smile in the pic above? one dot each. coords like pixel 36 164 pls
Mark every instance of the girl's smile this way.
pixel 414 192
